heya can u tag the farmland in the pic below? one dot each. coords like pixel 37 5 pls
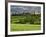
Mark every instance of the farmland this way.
pixel 24 23
pixel 25 27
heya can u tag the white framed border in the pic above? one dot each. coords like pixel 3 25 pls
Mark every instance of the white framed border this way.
pixel 24 32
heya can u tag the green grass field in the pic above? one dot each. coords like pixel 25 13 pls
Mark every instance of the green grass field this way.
pixel 22 27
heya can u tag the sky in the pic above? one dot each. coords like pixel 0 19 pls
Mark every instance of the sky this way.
pixel 21 9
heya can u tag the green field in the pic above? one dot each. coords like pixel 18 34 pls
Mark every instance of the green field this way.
pixel 22 27
pixel 25 27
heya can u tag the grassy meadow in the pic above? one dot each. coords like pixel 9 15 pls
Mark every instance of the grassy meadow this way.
pixel 25 23
pixel 25 27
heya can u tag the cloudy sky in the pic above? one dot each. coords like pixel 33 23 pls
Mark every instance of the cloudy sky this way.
pixel 21 9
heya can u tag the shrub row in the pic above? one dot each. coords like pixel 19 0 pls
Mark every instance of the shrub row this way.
pixel 29 19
